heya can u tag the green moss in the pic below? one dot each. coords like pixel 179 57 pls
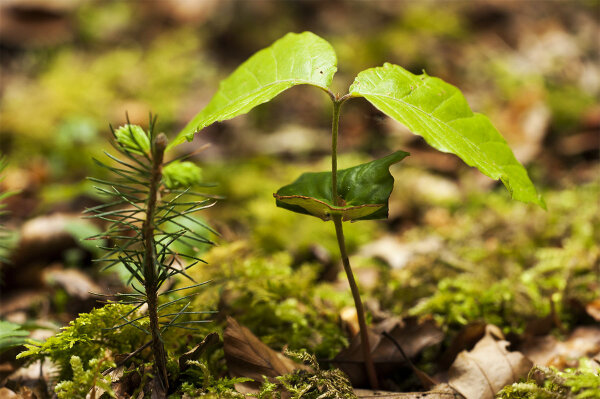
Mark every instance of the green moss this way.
pixel 201 382
pixel 313 384
pixel 550 383
pixel 502 262
pixel 84 380
pixel 87 337
pixel 281 304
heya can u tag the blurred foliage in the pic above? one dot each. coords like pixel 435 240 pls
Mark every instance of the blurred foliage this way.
pixel 502 262
pixel 6 236
pixel 76 91
pixel 498 261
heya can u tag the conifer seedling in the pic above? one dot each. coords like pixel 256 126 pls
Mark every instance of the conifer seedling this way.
pixel 426 105
pixel 151 201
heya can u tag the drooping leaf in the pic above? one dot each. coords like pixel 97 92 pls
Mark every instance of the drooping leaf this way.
pixel 295 59
pixel 438 111
pixel 364 191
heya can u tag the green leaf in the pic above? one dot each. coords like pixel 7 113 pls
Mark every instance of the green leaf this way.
pixel 438 111
pixel 364 191
pixel 295 59
pixel 11 335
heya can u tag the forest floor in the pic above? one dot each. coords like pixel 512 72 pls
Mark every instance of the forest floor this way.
pixel 458 279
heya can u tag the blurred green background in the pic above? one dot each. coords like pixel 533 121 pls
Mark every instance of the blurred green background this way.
pixel 71 68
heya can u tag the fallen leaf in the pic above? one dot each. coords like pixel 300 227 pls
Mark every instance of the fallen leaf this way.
pixel 76 283
pixel 483 371
pixel 466 338
pixel 247 356
pixel 397 254
pixel 411 334
pixel 548 351
pixel 593 309
pixel 6 393
pixel 124 383
pixel 208 341
pixel 350 318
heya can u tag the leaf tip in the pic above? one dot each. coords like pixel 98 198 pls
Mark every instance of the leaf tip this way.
pixel 540 201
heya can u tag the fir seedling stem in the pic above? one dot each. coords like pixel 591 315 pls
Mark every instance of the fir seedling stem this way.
pixel 150 260
pixel 339 231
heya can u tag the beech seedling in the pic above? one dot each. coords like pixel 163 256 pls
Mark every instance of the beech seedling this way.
pixel 426 105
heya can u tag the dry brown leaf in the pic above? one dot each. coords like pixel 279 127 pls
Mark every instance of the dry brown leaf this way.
pixel 593 309
pixel 398 254
pixel 411 334
pixel 548 351
pixel 466 339
pixel 247 356
pixel 6 393
pixel 193 354
pixel 76 283
pixel 483 371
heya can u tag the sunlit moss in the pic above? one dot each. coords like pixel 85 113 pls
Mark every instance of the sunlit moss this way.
pixel 282 304
pixel 550 383
pixel 503 262
pixel 88 337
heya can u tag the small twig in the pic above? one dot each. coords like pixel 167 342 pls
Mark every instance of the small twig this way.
pixel 127 358
pixel 424 378
pixel 189 155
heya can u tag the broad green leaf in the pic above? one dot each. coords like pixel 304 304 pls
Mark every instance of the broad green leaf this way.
pixel 438 111
pixel 11 335
pixel 364 191
pixel 295 59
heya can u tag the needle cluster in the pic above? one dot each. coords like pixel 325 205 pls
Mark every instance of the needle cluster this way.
pixel 146 215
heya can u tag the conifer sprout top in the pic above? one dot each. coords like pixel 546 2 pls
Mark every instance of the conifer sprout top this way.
pixel 181 174
pixel 133 139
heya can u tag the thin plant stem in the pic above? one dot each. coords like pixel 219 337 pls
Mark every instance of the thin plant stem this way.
pixel 339 231
pixel 150 260
pixel 360 310
pixel 335 122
